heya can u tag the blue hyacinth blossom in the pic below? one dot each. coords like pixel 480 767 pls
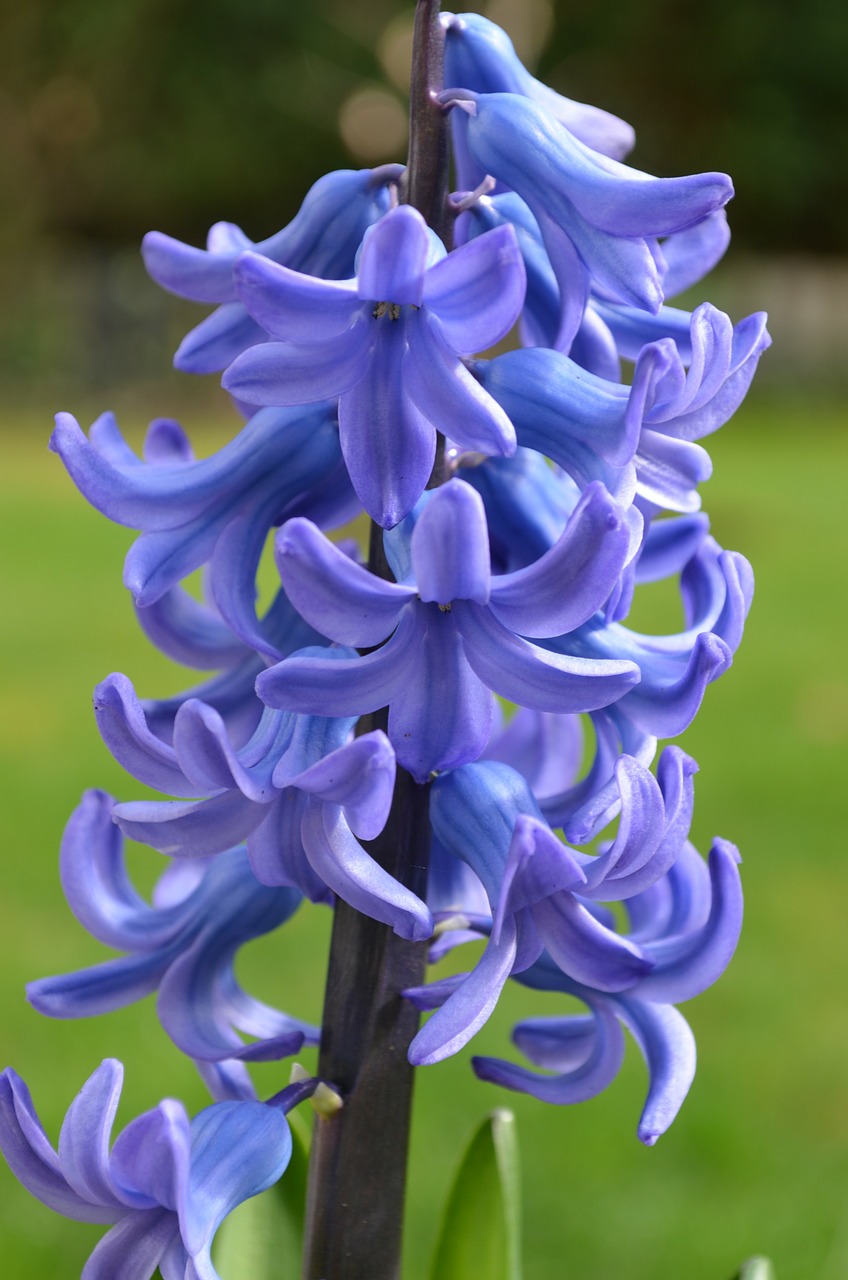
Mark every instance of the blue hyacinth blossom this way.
pixel 183 946
pixel 599 219
pixel 450 623
pixel 481 56
pixel 164 1186
pixel 389 343
pixel 322 239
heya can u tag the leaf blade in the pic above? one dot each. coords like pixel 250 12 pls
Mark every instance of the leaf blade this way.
pixel 481 1227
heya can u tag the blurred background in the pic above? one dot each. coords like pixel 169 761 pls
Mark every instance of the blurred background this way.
pixel 118 118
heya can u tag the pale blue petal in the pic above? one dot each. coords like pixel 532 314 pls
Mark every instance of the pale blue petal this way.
pixel 477 291
pixel 450 547
pixel 393 258
pixel 338 597
pixel 356 878
pixel 449 397
pixel 293 307
pixel 523 673
pixel 567 585
pixel 237 1150
pixel 283 373
pixel 470 1005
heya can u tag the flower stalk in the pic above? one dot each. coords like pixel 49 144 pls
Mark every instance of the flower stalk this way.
pixel 357 1170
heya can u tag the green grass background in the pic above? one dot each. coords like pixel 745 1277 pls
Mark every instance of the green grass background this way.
pixel 757 1162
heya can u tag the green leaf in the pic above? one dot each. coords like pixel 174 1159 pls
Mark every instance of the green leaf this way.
pixel 481 1229
pixel 263 1238
pixel 755 1269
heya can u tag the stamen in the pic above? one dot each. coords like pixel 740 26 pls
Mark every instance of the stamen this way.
pixel 459 203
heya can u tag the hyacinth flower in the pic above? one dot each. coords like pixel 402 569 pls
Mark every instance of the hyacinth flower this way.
pixel 183 946
pixel 638 438
pixel 457 624
pixel 481 56
pixel 183 507
pixel 389 344
pixel 164 1186
pixel 691 929
pixel 541 893
pixel 599 219
pixel 298 791
pixel 608 330
pixel 684 927
pixel 322 239
pixel 717 590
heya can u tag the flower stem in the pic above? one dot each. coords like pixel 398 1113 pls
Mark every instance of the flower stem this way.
pixel 357 1171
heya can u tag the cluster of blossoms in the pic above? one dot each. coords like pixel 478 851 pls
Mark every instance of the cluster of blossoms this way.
pixel 522 498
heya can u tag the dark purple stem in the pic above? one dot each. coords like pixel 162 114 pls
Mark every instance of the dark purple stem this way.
pixel 357 1170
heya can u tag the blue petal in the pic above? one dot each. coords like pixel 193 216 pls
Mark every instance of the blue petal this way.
pixel 134 1248
pixel 477 291
pixel 360 777
pixel 584 949
pixel 101 988
pixel 123 727
pixel 348 686
pixel 394 257
pixel 470 1005
pixel 354 876
pixel 190 829
pixel 669 545
pixel 388 442
pixel 150 1157
pixel 441 716
pixel 285 373
pixel 534 677
pixel 567 585
pixel 340 598
pixel 214 343
pixel 450 547
pixel 584 1081
pixel 34 1162
pixel 668 1047
pixel 480 56
pixel 692 253
pixel 237 1150
pixel 557 406
pixel 444 391
pixel 86 1136
pixel 546 748
pixel 668 471
pixel 293 307
pixel 687 964
pixel 191 633
pixel 186 271
pixel 96 885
